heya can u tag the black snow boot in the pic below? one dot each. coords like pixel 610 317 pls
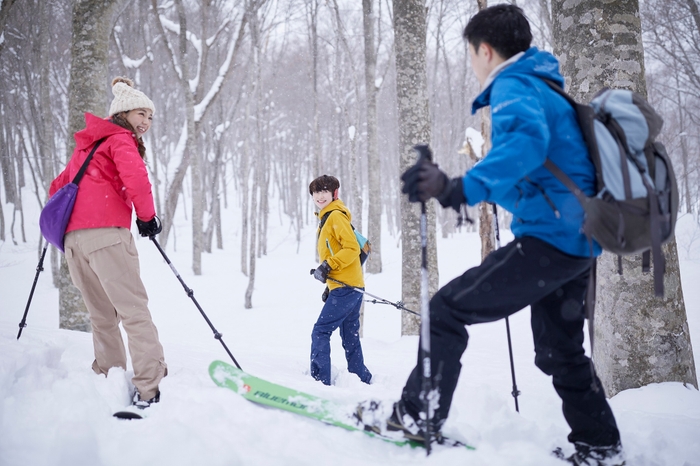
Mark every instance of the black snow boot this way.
pixel 143 404
pixel 590 455
pixel 376 418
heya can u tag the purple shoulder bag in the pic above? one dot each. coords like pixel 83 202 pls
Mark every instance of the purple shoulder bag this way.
pixel 57 211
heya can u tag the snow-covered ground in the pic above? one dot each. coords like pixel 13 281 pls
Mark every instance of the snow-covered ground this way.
pixel 55 411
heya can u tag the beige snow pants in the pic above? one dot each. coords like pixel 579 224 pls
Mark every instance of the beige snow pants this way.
pixel 104 266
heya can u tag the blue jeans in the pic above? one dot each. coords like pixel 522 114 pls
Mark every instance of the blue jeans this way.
pixel 342 310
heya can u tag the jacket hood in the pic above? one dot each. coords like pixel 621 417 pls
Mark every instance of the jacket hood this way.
pixel 96 128
pixel 335 205
pixel 533 62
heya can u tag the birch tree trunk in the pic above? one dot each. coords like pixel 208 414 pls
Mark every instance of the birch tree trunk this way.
pixel 245 181
pixel 374 207
pixel 685 181
pixel 193 155
pixel 87 92
pixel 312 15
pixel 48 147
pixel 414 128
pixel 5 7
pixel 486 230
pixel 254 21
pixel 486 220
pixel 352 118
pixel 639 339
pixel 198 201
pixel 6 163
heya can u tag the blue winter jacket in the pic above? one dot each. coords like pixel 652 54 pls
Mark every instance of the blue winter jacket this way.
pixel 531 123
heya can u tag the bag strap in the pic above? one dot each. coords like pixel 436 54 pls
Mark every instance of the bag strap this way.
pixel 585 115
pixel 325 217
pixel 81 172
pixel 323 220
pixel 656 252
pixel 566 181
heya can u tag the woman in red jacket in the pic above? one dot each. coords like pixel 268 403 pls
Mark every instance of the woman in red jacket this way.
pixel 99 248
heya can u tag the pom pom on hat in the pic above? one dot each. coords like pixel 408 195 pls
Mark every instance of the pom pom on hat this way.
pixel 127 98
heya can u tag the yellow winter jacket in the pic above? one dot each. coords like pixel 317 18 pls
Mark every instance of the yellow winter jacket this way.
pixel 338 246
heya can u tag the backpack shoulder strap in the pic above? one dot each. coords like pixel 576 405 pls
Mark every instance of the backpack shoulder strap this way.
pixel 558 89
pixel 566 180
pixel 585 114
pixel 325 217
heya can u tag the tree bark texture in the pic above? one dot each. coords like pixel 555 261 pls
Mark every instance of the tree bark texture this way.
pixel 89 89
pixel 414 128
pixel 639 339
pixel 598 43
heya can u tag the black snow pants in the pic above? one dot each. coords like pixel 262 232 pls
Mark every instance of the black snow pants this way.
pixel 525 272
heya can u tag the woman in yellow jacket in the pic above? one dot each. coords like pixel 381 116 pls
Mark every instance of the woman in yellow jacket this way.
pixel 339 253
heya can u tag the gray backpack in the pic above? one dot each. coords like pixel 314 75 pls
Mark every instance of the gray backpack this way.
pixel 636 203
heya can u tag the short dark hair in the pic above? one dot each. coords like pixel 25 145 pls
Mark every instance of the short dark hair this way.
pixel 504 27
pixel 324 183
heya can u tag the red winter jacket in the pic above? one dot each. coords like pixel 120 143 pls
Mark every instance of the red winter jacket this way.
pixel 115 179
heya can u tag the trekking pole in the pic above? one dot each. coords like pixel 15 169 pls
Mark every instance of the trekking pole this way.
pixel 377 300
pixel 515 391
pixel 427 384
pixel 424 155
pixel 39 269
pixel 190 293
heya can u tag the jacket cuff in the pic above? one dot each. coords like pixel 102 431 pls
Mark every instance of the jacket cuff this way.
pixel 473 190
pixel 453 194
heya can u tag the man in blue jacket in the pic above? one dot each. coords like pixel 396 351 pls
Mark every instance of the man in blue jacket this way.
pixel 548 263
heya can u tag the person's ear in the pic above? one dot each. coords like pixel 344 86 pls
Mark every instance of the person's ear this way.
pixel 486 50
pixel 335 194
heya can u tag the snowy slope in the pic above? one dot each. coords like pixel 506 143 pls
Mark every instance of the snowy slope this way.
pixel 55 411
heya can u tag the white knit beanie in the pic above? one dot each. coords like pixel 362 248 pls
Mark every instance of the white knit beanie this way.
pixel 127 98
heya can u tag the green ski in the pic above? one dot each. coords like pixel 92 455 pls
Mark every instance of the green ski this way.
pixel 276 396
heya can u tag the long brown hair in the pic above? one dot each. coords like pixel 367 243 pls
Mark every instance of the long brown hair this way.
pixel 120 120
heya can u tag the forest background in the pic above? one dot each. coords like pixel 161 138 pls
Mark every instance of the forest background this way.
pixel 255 98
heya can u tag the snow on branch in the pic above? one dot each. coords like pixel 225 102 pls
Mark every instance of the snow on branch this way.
pixel 216 85
pixel 174 27
pixel 127 61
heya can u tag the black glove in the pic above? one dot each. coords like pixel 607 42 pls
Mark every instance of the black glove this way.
pixel 150 228
pixel 321 272
pixel 325 294
pixel 423 181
